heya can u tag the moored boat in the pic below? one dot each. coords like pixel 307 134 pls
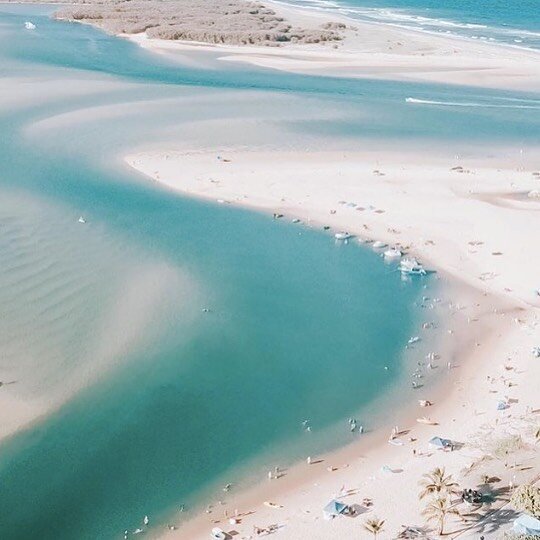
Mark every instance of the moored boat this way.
pixel 411 266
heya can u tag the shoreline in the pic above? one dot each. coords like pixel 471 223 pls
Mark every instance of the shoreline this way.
pixel 351 473
pixel 256 180
pixel 366 49
pixel 374 50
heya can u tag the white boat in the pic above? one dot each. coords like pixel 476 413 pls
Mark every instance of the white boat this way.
pixel 81 220
pixel 392 254
pixel 395 442
pixel 342 236
pixel 378 244
pixel 146 520
pixel 414 339
pixel 411 266
pixel 29 25
pixel 427 421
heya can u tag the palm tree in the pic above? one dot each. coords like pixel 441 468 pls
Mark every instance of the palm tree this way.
pixel 437 510
pixel 374 526
pixel 437 482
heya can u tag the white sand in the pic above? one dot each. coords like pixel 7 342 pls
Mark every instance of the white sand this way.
pixel 476 226
pixel 378 51
pixel 371 50
pixel 439 213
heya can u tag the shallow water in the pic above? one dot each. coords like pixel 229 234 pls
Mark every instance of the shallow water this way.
pixel 155 399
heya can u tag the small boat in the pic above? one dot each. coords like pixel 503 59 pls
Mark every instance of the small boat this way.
pixel 536 352
pixel 395 442
pixel 146 520
pixel 272 504
pixel 414 339
pixel 412 267
pixel 29 25
pixel 342 236
pixel 427 421
pixel 81 220
pixel 378 244
pixel 392 254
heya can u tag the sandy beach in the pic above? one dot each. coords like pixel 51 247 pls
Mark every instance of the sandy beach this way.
pixel 281 37
pixel 471 220
pixel 375 51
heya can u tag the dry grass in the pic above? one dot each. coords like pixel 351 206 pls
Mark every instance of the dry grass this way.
pixel 211 21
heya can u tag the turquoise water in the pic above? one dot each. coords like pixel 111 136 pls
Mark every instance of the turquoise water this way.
pixel 511 23
pixel 155 399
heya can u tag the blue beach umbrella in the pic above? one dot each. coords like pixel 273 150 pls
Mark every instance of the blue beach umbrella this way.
pixel 528 525
pixel 439 442
pixel 334 508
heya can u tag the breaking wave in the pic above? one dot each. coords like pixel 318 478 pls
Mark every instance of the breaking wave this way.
pixel 522 104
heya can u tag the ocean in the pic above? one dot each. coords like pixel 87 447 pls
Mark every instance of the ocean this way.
pixel 513 23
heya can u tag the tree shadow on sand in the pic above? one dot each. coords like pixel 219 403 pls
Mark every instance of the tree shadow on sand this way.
pixel 492 522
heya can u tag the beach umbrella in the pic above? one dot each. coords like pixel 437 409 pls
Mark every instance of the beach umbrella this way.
pixel 439 442
pixel 334 508
pixel 502 405
pixel 528 525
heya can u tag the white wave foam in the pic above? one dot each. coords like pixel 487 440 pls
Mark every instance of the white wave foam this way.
pixel 411 21
pixel 528 105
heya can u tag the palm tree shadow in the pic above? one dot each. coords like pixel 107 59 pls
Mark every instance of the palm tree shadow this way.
pixel 494 520
pixel 410 532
